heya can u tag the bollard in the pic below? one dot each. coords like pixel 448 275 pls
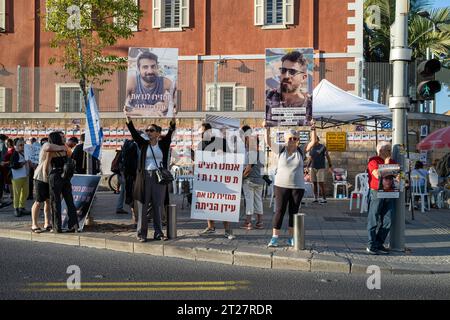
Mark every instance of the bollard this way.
pixel 172 221
pixel 299 231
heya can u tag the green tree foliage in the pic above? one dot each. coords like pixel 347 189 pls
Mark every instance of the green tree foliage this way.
pixel 81 51
pixel 420 30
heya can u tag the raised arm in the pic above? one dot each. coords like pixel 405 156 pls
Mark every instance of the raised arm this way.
pixel 313 137
pixel 136 136
pixel 167 139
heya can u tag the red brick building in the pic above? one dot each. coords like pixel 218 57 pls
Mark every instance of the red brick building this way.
pixel 234 32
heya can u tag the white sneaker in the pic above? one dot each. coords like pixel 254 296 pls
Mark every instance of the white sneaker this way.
pixel 322 201
pixel 229 235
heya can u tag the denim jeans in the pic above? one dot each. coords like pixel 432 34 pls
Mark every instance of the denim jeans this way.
pixel 379 219
pixel 119 205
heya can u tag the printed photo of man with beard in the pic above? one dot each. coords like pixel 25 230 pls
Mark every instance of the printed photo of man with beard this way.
pixel 292 93
pixel 148 93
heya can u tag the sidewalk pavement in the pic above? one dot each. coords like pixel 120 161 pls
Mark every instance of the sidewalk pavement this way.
pixel 336 239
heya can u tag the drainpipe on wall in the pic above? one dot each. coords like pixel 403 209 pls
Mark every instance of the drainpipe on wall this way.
pixel 19 107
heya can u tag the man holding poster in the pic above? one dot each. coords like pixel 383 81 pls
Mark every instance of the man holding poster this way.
pixel 381 208
pixel 151 82
pixel 289 87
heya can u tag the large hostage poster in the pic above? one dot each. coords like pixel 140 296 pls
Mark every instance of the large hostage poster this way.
pixel 289 86
pixel 217 186
pixel 152 82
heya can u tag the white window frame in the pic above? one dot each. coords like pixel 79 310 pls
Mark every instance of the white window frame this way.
pixel 59 86
pixel 158 16
pixel 2 15
pixel 133 27
pixel 209 99
pixel 2 99
pixel 260 14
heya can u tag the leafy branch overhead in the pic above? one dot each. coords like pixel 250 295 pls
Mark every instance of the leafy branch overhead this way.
pixel 379 15
pixel 101 24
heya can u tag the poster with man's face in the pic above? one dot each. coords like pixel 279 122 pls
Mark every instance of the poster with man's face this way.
pixel 152 82
pixel 289 86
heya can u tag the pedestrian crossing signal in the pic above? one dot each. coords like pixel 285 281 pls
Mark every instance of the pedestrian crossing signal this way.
pixel 428 86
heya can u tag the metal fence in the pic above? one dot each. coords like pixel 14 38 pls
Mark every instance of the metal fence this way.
pixel 48 89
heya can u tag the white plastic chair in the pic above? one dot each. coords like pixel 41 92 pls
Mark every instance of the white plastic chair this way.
pixel 417 191
pixel 361 191
pixel 340 182
pixel 175 170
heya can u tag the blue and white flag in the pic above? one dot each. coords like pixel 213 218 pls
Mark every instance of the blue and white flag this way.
pixel 93 134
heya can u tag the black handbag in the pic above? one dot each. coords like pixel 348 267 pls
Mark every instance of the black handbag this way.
pixel 163 175
pixel 68 169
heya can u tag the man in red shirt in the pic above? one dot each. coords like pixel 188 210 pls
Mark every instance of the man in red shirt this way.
pixel 380 210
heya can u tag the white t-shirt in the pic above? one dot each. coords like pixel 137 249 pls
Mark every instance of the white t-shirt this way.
pixel 150 161
pixel 22 172
pixel 290 171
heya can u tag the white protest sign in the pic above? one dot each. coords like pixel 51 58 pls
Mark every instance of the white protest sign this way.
pixel 217 186
pixel 31 152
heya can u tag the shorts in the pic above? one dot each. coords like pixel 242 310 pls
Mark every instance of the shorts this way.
pixel 41 190
pixel 318 175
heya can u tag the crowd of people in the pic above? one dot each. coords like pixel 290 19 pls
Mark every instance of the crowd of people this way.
pixel 142 158
pixel 46 182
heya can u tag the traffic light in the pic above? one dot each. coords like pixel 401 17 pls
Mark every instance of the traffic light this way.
pixel 427 85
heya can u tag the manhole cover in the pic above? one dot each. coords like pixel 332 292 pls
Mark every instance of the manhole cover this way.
pixel 338 219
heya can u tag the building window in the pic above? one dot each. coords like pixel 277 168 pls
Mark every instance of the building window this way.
pixel 230 97
pixel 133 27
pixel 5 99
pixel 170 15
pixel 3 16
pixel 274 13
pixel 69 97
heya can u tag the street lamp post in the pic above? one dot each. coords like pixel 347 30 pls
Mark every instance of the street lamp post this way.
pixel 400 55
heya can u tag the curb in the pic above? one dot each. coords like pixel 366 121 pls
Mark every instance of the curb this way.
pixel 245 256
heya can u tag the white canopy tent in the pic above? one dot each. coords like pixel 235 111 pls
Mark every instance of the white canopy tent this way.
pixel 333 106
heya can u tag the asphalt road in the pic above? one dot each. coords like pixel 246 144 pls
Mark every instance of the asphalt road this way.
pixel 38 271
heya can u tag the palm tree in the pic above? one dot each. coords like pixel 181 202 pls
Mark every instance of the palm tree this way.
pixel 420 30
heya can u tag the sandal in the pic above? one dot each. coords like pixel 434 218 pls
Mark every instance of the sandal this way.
pixel 259 225
pixel 36 230
pixel 48 228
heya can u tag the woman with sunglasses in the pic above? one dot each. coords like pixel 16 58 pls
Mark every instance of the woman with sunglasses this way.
pixel 289 182
pixel 154 153
pixel 20 170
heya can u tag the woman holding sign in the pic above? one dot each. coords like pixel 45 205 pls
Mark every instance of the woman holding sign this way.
pixel 147 187
pixel 289 181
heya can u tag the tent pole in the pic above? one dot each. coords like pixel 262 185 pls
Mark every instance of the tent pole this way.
pixel 376 133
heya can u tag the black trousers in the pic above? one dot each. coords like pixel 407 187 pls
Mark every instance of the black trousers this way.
pixel 61 189
pixel 283 198
pixel 2 184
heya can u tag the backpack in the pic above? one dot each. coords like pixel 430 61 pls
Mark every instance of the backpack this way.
pixel 115 164
pixel 443 166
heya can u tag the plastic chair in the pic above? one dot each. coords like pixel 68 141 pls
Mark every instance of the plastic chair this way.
pixel 418 191
pixel 340 179
pixel 361 191
pixel 175 170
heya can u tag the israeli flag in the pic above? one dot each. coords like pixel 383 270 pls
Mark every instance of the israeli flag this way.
pixel 93 133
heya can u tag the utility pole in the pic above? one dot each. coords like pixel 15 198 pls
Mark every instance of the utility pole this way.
pixel 400 56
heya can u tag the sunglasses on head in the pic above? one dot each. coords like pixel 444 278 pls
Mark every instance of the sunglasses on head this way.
pixel 292 72
pixel 150 130
pixel 293 139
